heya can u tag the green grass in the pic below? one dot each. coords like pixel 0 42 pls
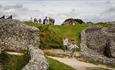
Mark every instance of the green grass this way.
pixel 56 65
pixel 52 35
pixel 13 62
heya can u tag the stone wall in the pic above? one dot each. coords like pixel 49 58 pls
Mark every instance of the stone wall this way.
pixel 16 36
pixel 93 42
pixel 37 60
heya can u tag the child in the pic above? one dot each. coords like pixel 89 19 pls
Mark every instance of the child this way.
pixel 65 43
pixel 73 47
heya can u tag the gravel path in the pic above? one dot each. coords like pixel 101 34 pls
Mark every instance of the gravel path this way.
pixel 79 65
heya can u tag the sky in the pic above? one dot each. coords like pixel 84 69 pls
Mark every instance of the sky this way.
pixel 87 10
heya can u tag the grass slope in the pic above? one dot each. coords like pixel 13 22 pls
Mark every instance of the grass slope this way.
pixel 51 35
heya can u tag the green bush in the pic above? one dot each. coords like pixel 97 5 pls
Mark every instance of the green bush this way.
pixel 49 38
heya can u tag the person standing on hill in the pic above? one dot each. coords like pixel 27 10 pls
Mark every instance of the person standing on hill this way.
pixel 40 21
pixel 35 20
pixel 65 43
pixel 45 21
pixel 31 19
pixel 73 47
pixel 51 21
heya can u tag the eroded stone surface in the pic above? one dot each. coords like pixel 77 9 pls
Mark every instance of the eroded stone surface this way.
pixel 93 42
pixel 37 60
pixel 16 36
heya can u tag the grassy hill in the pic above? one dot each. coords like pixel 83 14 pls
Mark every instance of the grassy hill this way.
pixel 52 35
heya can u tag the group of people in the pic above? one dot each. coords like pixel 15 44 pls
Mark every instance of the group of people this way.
pixel 69 46
pixel 46 20
pixel 35 20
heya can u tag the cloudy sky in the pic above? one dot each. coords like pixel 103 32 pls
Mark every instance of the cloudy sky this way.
pixel 88 10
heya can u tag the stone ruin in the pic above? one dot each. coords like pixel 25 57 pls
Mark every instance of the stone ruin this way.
pixel 93 42
pixel 16 36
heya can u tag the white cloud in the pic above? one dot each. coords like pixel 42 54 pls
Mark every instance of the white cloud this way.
pixel 88 10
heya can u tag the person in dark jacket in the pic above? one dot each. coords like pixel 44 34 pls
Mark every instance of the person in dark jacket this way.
pixel 51 20
pixel 40 21
pixel 45 21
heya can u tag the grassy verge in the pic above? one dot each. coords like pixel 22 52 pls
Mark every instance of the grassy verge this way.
pixel 56 65
pixel 13 62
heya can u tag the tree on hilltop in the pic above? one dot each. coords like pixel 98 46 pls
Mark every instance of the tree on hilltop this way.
pixel 71 21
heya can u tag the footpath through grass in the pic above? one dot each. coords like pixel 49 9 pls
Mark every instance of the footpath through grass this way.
pixel 56 65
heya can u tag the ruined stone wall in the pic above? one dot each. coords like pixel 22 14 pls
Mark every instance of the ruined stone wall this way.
pixel 93 42
pixel 37 60
pixel 16 36
pixel 110 32
pixel 96 39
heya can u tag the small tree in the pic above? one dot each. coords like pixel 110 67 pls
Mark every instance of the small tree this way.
pixel 71 21
pixel 80 21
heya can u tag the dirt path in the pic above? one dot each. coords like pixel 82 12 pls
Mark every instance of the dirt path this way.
pixel 79 65
pixel 14 53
